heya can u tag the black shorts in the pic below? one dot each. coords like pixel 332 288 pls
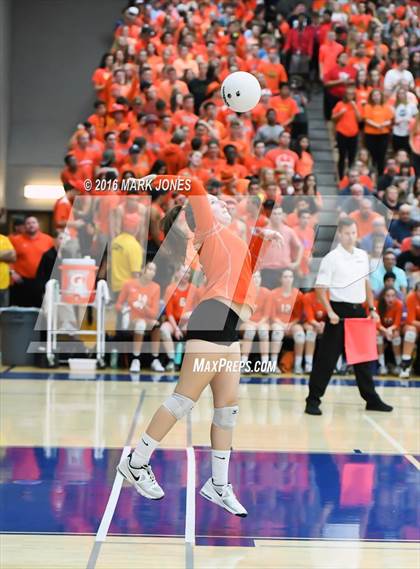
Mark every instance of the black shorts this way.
pixel 215 322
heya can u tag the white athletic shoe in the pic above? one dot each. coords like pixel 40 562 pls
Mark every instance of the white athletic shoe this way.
pixel 298 370
pixel 135 366
pixel 142 479
pixel 308 368
pixel 156 365
pixel 383 370
pixel 170 366
pixel 226 498
pixel 405 373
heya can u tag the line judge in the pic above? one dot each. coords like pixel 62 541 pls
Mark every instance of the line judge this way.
pixel 344 271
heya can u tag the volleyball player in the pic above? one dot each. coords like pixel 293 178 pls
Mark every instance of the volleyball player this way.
pixel 229 296
pixel 390 310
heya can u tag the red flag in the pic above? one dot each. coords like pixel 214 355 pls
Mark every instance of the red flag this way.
pixel 360 340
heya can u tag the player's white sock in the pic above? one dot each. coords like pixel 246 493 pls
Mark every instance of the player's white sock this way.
pixel 381 359
pixel 220 466
pixel 264 359
pixel 298 361
pixel 397 360
pixel 143 451
pixel 309 360
pixel 244 359
pixel 136 354
pixel 274 359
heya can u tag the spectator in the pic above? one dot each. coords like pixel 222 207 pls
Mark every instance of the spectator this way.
pixel 364 217
pixel 390 310
pixel 29 247
pixel 272 262
pixel 270 133
pixel 7 256
pixel 388 264
pixel 409 261
pixel 393 77
pixel 282 158
pixel 378 117
pixel 404 112
pixel 336 80
pixel 379 232
pixel 347 115
pixel 400 228
pixel 126 253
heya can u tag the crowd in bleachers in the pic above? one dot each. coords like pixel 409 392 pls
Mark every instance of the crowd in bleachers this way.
pixel 158 109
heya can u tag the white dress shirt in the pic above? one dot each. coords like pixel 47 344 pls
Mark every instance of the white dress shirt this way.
pixel 345 274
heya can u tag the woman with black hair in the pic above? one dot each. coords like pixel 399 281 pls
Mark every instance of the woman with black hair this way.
pixel 390 310
pixel 102 74
pixel 212 338
pixel 346 115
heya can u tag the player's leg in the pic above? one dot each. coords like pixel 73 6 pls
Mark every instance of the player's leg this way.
pixel 264 346
pixel 299 340
pixel 248 334
pixel 381 353
pixel 410 337
pixel 166 332
pixel 225 388
pixel 139 328
pixel 277 335
pixel 156 364
pixel 135 468
pixel 309 349
pixel 396 348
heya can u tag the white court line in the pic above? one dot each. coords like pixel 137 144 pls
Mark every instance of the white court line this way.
pixel 112 502
pixel 190 505
pixel 393 442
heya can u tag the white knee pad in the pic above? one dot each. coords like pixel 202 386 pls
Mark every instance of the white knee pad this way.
pixel 263 334
pixel 277 335
pixel 165 333
pixel 396 341
pixel 140 326
pixel 310 336
pixel 299 337
pixel 225 417
pixel 410 336
pixel 249 334
pixel 178 405
pixel 380 340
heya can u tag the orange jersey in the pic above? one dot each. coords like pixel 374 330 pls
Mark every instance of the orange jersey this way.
pixel 29 251
pixel 314 310
pixel 179 301
pixel 263 309
pixel 143 300
pixel 286 308
pixel 393 314
pixel 413 307
pixel 227 261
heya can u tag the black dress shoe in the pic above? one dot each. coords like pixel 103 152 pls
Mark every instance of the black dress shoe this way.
pixel 378 406
pixel 312 409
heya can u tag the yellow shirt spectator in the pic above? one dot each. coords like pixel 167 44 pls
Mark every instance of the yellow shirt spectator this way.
pixel 7 255
pixel 127 258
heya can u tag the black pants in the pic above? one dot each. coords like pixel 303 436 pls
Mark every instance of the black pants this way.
pixel 329 103
pixel 400 143
pixel 26 293
pixel 377 145
pixel 347 148
pixel 327 352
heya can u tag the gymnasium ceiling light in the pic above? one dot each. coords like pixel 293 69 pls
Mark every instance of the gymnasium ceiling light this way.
pixel 43 192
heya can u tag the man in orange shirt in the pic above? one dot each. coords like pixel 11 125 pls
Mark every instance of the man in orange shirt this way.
pixel 328 53
pixel 186 117
pixel 364 218
pixel 84 155
pixel 212 160
pixel 273 71
pixel 254 162
pixel 285 106
pixel 174 154
pixel 167 87
pixel 282 158
pixel 29 247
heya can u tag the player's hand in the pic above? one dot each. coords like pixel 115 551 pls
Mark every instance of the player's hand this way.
pixel 374 316
pixel 270 235
pixel 334 318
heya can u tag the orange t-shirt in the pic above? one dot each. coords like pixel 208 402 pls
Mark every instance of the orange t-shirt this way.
pixel 286 109
pixel 305 164
pixel 143 300
pixel 378 114
pixel 174 157
pixel 228 262
pixel 274 74
pixel 314 310
pixel 286 308
pixel 364 226
pixel 178 301
pixel 347 124
pixel 413 307
pixel 393 314
pixel 263 309
pixel 29 251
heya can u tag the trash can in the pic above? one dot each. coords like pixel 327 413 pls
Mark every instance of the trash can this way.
pixel 17 331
